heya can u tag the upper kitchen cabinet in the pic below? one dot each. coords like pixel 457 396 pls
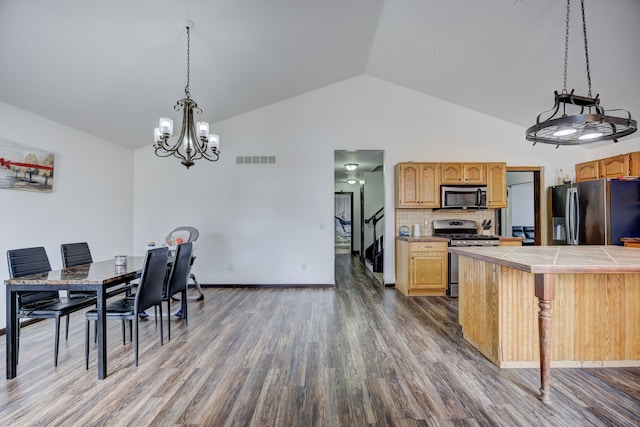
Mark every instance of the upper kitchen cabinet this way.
pixel 417 185
pixel 462 173
pixel 611 167
pixel 496 185
pixel 634 163
pixel 587 171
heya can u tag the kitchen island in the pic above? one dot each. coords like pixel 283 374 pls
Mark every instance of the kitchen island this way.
pixel 594 292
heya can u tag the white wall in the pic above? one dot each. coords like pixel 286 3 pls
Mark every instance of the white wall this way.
pixel 92 199
pixel 521 203
pixel 267 221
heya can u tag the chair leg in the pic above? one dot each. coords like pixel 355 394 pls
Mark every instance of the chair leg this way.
pixel 184 304
pixel 168 317
pixel 57 344
pixel 195 281
pixel 18 344
pixel 161 332
pixel 124 334
pixel 66 330
pixel 136 334
pixel 130 330
pixel 155 313
pixel 86 344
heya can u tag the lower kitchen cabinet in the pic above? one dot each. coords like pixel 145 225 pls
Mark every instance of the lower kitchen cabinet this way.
pixel 421 267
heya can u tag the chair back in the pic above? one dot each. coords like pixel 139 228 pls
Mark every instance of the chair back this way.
pixel 180 270
pixel 191 233
pixel 74 254
pixel 154 271
pixel 23 262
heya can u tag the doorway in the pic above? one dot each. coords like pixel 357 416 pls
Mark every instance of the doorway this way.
pixel 524 205
pixel 360 174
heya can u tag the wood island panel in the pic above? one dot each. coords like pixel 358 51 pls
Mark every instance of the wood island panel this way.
pixel 595 316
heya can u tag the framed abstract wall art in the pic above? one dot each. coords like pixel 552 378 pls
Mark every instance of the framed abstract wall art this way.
pixel 25 168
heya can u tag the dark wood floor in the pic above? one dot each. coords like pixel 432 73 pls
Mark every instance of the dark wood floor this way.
pixel 355 355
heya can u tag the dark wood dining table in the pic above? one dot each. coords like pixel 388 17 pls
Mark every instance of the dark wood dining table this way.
pixel 99 277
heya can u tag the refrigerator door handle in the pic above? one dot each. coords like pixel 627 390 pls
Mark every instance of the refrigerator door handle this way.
pixel 576 217
pixel 567 216
pixel 572 217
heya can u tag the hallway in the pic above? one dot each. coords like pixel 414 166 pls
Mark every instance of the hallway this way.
pixel 359 354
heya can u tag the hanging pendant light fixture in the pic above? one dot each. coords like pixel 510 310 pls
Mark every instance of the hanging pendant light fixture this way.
pixel 588 121
pixel 195 142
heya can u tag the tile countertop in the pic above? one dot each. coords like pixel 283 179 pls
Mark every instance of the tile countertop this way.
pixel 559 259
pixel 446 239
pixel 423 239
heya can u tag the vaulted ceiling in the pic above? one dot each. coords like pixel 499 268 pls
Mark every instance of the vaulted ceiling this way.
pixel 112 68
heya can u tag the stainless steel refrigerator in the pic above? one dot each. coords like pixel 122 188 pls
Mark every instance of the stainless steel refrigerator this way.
pixel 597 212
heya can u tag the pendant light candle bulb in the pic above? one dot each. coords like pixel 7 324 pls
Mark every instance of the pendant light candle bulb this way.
pixel 166 126
pixel 214 141
pixel 203 129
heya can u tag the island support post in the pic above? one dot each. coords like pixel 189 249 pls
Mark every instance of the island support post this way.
pixel 545 289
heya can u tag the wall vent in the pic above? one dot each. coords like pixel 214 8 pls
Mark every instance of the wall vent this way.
pixel 256 160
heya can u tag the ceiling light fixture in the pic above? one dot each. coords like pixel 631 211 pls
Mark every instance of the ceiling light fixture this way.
pixel 351 180
pixel 195 142
pixel 351 166
pixel 589 122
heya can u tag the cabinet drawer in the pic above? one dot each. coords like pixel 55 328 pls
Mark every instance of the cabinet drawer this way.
pixel 428 246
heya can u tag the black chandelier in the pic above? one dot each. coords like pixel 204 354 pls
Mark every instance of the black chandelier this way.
pixel 195 142
pixel 589 122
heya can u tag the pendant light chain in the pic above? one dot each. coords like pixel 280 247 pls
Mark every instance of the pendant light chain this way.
pixel 575 119
pixel 566 47
pixel 586 49
pixel 186 88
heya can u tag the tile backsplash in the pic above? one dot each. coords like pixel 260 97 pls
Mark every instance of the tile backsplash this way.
pixel 409 217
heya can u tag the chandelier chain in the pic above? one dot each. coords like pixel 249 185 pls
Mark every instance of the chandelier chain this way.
pixel 566 47
pixel 186 88
pixel 586 49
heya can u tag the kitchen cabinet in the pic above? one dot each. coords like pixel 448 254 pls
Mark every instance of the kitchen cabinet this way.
pixel 462 173
pixel 634 163
pixel 417 185
pixel 587 171
pixel 610 167
pixel 496 185
pixel 421 267
pixel 615 166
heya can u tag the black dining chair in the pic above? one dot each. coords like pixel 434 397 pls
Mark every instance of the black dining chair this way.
pixel 177 281
pixel 41 304
pixel 149 294
pixel 75 254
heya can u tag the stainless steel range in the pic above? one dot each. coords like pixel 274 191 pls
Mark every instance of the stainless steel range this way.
pixel 461 232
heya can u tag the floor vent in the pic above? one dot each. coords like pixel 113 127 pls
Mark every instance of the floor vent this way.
pixel 256 160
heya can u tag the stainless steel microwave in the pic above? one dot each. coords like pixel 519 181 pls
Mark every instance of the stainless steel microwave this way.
pixel 464 197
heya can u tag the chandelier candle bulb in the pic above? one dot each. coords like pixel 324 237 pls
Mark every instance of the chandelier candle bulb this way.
pixel 203 129
pixel 214 141
pixel 166 126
